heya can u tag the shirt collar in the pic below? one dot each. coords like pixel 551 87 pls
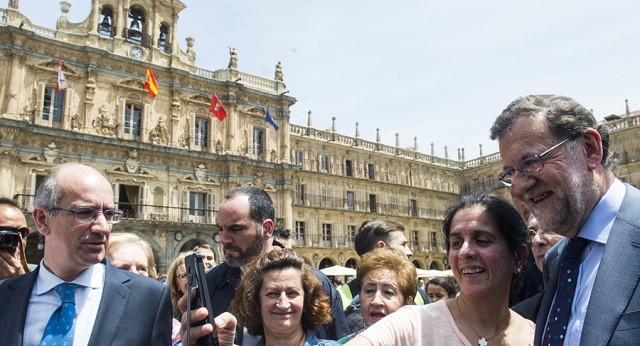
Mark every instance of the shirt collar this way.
pixel 600 221
pixel 92 277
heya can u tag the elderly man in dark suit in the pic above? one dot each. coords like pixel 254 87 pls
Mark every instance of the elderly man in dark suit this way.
pixel 556 161
pixel 75 211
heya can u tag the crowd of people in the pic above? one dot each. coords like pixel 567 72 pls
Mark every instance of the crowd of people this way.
pixel 95 287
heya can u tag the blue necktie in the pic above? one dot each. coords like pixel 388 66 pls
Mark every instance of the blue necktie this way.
pixel 561 308
pixel 60 328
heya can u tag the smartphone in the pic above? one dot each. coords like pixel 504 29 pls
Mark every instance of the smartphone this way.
pixel 196 279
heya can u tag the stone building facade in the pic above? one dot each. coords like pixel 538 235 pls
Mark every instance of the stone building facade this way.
pixel 170 161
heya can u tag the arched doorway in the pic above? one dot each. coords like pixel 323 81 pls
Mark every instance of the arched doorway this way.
pixel 325 263
pixel 351 263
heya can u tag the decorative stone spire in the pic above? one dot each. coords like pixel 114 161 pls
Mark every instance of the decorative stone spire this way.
pixel 333 124
pixel 309 123
pixel 357 131
pixel 481 155
pixel 397 140
pixel 462 154
pixel 415 143
pixel 378 135
pixel 446 152
pixel 433 150
pixel 626 103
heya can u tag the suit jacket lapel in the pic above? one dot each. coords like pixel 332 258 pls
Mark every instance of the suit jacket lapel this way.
pixel 115 296
pixel 621 251
pixel 19 295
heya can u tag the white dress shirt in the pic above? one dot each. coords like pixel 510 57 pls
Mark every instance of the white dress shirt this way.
pixel 44 301
pixel 596 229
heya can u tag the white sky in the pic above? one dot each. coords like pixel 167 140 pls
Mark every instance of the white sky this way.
pixel 437 70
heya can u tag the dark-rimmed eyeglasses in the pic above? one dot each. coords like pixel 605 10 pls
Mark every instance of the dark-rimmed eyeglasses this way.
pixel 24 231
pixel 529 166
pixel 90 214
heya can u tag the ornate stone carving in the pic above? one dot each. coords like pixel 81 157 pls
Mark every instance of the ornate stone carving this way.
pixel 75 122
pixel 278 74
pixel 219 147
pixel 233 58
pixel 102 124
pixel 132 163
pixel 160 134
pixel 200 172
pixel 274 155
pixel 50 153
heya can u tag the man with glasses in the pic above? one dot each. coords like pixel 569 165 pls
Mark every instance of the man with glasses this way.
pixel 13 240
pixel 556 161
pixel 76 296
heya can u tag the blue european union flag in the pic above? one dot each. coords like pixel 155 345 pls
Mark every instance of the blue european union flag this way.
pixel 268 118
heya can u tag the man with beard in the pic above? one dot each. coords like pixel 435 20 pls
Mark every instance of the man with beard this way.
pixel 556 161
pixel 245 220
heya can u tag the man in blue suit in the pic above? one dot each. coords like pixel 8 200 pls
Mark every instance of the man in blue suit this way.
pixel 556 161
pixel 74 210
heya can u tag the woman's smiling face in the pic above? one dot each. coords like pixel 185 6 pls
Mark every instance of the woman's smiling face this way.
pixel 282 301
pixel 479 255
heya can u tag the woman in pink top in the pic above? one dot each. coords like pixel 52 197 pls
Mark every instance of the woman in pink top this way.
pixel 486 241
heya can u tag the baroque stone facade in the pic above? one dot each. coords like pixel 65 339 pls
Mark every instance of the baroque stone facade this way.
pixel 171 161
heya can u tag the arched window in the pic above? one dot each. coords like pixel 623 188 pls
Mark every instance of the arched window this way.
pixel 106 28
pixel 163 39
pixel 136 29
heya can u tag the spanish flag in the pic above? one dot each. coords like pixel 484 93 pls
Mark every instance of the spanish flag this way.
pixel 150 83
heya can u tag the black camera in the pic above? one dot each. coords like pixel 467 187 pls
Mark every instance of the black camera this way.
pixel 9 239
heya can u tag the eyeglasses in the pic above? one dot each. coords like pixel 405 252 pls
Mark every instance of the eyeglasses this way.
pixel 529 166
pixel 182 276
pixel 24 231
pixel 90 214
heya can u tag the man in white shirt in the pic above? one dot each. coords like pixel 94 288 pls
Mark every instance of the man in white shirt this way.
pixel 75 211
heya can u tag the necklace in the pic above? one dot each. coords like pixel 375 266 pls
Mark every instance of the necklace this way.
pixel 481 341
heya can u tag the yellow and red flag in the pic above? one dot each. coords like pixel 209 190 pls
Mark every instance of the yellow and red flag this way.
pixel 150 83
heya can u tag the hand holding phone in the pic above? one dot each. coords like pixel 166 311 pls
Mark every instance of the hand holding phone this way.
pixel 196 279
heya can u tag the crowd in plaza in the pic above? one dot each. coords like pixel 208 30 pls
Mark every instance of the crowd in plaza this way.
pixel 95 287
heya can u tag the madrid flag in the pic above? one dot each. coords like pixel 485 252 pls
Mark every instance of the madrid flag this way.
pixel 150 83
pixel 217 108
pixel 62 82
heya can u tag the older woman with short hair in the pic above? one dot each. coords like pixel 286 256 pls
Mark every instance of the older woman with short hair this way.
pixel 386 282
pixel 129 252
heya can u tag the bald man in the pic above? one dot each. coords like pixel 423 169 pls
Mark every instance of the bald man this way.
pixel 75 212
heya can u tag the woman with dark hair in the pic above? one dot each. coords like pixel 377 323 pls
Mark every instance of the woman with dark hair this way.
pixel 440 288
pixel 281 300
pixel 486 247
